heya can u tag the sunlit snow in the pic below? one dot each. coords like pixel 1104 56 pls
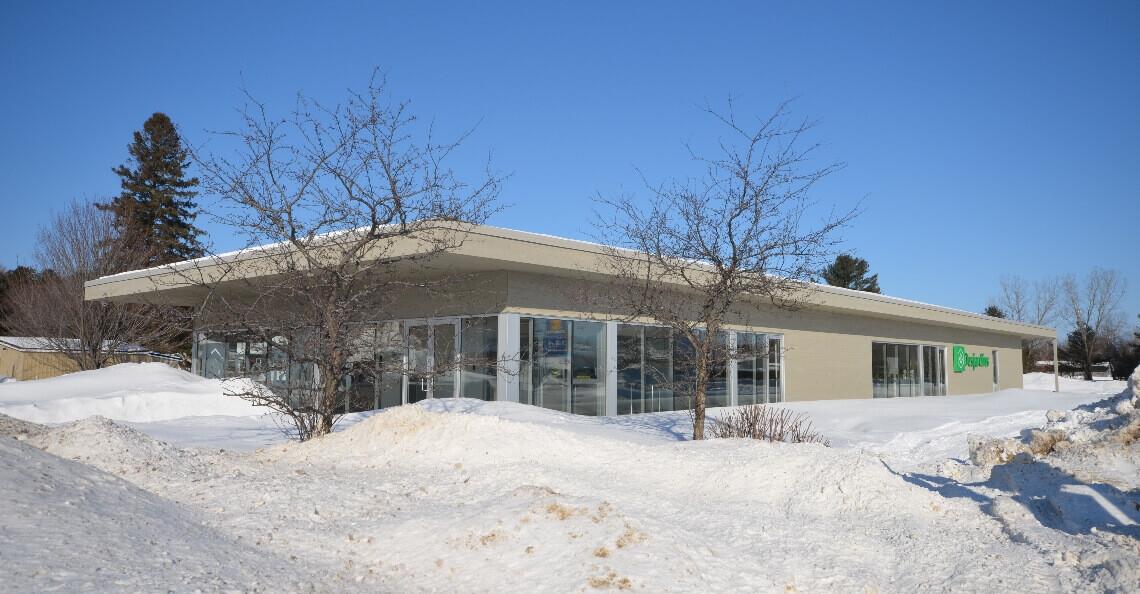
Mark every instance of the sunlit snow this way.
pixel 189 488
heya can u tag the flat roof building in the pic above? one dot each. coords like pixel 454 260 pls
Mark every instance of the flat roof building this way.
pixel 558 352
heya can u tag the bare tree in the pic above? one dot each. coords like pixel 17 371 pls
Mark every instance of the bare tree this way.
pixel 79 244
pixel 350 207
pixel 703 252
pixel 1038 304
pixel 1091 308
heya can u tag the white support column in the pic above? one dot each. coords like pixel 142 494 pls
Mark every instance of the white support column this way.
pixel 507 370
pixel 733 393
pixel 611 369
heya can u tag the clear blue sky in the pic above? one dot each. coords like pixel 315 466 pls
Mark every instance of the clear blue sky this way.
pixel 987 138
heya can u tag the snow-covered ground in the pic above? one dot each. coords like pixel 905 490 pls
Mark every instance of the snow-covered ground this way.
pixel 460 495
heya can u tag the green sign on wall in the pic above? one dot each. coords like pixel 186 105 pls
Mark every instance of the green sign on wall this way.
pixel 962 360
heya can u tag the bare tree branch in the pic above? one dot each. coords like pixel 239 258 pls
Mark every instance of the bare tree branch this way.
pixel 79 244
pixel 706 251
pixel 347 209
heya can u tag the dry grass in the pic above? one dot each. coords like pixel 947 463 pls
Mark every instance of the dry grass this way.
pixel 766 423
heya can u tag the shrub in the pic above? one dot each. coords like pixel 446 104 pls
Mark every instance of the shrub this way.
pixel 767 423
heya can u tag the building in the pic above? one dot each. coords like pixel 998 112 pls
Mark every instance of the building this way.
pixel 30 358
pixel 554 352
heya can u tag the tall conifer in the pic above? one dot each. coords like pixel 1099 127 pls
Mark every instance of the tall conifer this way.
pixel 155 211
pixel 850 272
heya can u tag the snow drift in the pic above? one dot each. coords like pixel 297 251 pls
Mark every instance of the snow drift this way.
pixel 139 392
pixel 86 529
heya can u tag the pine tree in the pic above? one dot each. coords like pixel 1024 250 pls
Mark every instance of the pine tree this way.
pixel 155 212
pixel 993 311
pixel 850 272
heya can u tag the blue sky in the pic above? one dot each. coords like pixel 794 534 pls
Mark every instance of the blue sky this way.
pixel 985 138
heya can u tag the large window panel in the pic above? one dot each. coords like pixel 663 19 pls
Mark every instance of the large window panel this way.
pixel 479 344
pixel 775 349
pixel 630 367
pixel 906 370
pixel 718 374
pixel 658 369
pixel 551 364
pixel 588 368
pixel 374 378
pixel 526 360
pixel 745 368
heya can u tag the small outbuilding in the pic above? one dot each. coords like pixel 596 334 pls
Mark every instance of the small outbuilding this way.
pixel 32 357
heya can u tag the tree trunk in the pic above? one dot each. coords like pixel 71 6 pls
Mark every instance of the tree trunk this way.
pixel 699 416
pixel 699 398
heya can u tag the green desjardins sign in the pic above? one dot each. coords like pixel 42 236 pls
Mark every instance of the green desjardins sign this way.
pixel 963 360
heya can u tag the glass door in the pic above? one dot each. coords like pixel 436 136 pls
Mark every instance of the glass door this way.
pixel 431 360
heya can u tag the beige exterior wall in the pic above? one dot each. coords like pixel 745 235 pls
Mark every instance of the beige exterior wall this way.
pixel 827 353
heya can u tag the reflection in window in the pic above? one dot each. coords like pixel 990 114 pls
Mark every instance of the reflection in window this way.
pixel 757 368
pixel 645 369
pixel 563 365
pixel 375 376
pixel 480 339
pixel 897 370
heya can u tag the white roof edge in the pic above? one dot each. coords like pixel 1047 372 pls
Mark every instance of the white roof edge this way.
pixel 565 243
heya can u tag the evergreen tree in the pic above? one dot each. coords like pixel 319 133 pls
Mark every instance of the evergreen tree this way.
pixel 1081 350
pixel 850 272
pixel 993 311
pixel 155 212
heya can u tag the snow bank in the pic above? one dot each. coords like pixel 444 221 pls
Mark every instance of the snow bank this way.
pixel 1072 487
pixel 67 526
pixel 140 392
pixel 1044 381
pixel 462 495
pixel 454 499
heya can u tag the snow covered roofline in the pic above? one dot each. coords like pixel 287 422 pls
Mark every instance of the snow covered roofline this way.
pixel 487 248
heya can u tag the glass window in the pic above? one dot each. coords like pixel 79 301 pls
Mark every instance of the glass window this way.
pixel 480 339
pixel 630 368
pixel 526 361
pixel 757 368
pixel 658 370
pixel 905 370
pixel 933 371
pixel 588 369
pixel 775 391
pixel 563 365
pixel 550 364
pixel 684 372
pixel 212 357
pixel 745 368
pixel 374 370
pixel 718 373
pixel 645 369
pixel 444 360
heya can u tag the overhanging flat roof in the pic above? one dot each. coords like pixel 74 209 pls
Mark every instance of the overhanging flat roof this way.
pixel 488 248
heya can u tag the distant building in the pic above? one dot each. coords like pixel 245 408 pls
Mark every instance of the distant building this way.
pixel 1100 369
pixel 31 357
